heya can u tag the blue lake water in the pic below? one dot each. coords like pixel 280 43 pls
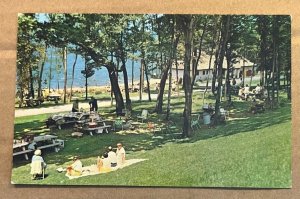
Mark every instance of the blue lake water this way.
pixel 100 78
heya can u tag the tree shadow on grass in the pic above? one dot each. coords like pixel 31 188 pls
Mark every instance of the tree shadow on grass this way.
pixel 32 125
pixel 247 122
pixel 89 147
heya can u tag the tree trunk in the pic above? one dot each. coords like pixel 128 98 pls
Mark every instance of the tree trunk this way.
pixel 20 83
pixel 213 46
pixel 275 89
pixel 31 82
pixel 41 72
pixel 177 78
pixel 195 66
pixel 228 54
pixel 116 89
pixel 57 72
pixel 66 74
pixel 209 67
pixel 128 101
pixel 50 71
pixel 86 78
pixel 147 79
pixel 263 46
pixel 169 91
pixel 159 102
pixel 188 39
pixel 141 81
pixel 213 83
pixel 227 94
pixel 132 72
pixel 73 73
pixel 224 38
pixel 170 62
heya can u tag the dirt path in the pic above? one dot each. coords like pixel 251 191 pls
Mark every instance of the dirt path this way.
pixel 68 107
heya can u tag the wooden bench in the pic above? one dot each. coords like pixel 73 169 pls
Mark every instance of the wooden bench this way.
pixel 22 152
pixel 105 127
pixel 55 145
pixel 98 130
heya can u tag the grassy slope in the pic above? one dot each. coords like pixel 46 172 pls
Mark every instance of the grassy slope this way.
pixel 252 151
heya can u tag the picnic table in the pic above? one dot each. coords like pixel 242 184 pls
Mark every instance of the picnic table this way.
pixel 79 118
pixel 99 128
pixel 104 124
pixel 48 141
pixel 54 97
pixel 20 148
pixel 32 102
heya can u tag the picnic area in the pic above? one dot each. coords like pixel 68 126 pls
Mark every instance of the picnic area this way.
pixel 175 115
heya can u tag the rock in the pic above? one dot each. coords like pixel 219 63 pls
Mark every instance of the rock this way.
pixel 77 134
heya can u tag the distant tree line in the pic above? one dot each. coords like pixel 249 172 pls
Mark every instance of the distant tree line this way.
pixel 159 41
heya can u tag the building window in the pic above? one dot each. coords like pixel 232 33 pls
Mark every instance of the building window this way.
pixel 203 72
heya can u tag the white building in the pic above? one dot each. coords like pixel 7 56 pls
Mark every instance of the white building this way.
pixel 203 71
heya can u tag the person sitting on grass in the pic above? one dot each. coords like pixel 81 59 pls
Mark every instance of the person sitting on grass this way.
pixel 112 156
pixel 120 154
pixel 38 164
pixel 75 169
pixel 241 94
pixel 75 107
pixel 246 91
pixel 104 164
pixel 258 91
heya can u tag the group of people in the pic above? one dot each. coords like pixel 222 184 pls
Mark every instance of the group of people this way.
pixel 245 92
pixel 109 160
pixel 93 105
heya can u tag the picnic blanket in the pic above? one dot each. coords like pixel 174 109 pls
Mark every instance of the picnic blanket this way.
pixel 93 170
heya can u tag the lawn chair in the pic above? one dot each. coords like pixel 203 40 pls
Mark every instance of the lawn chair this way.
pixel 170 128
pixel 143 116
pixel 118 124
pixel 37 168
pixel 224 114
pixel 195 124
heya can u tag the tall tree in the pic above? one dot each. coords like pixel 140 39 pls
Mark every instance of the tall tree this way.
pixel 65 73
pixel 88 72
pixel 91 33
pixel 73 74
pixel 187 22
pixel 27 55
pixel 223 42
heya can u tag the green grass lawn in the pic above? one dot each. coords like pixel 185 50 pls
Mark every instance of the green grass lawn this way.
pixel 248 151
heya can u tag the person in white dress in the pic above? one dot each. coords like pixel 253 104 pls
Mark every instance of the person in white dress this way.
pixel 112 156
pixel 121 154
pixel 75 169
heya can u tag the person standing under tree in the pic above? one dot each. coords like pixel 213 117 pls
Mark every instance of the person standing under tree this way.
pixel 75 107
pixel 93 104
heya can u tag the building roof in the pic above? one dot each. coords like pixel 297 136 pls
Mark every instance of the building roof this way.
pixel 204 63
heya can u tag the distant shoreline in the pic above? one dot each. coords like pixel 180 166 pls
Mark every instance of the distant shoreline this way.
pixel 97 88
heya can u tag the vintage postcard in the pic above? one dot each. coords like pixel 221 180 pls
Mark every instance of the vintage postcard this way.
pixel 153 100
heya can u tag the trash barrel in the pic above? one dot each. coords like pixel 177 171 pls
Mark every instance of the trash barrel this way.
pixel 206 118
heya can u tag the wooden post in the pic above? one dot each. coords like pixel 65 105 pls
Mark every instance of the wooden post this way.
pixel 141 80
pixel 66 73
